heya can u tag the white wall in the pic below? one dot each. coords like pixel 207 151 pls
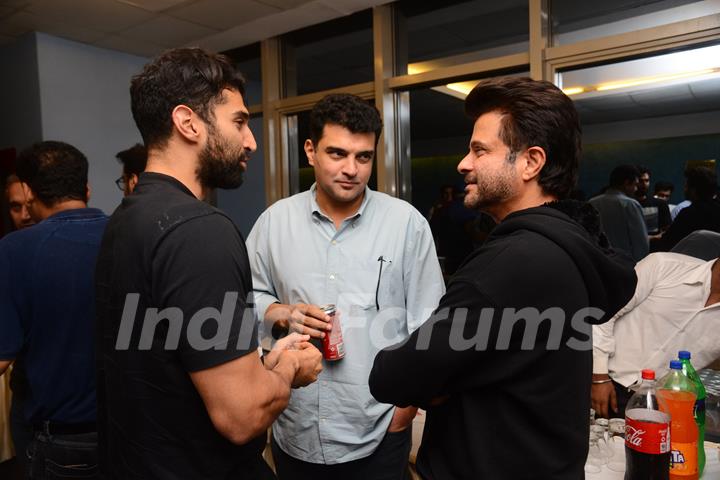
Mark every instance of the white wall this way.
pixel 21 125
pixel 85 101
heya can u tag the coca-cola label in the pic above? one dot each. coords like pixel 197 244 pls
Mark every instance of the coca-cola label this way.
pixel 647 437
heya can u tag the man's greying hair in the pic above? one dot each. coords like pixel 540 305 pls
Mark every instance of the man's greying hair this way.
pixel 183 76
pixel 54 171
pixel 344 110
pixel 134 159
pixel 535 114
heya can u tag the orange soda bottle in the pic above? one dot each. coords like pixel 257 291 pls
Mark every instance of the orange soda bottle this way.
pixel 676 396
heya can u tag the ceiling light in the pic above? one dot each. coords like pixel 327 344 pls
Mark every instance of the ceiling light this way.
pixel 573 90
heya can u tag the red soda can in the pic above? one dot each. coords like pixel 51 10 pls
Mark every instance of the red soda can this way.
pixel 333 346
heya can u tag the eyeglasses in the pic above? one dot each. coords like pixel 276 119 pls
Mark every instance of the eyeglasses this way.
pixel 120 182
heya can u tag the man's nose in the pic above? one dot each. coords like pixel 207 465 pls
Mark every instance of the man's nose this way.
pixel 465 165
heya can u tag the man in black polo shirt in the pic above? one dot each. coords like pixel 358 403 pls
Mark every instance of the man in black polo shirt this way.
pixel 182 390
pixel 47 312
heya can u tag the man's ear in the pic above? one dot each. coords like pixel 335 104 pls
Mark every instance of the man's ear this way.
pixel 132 181
pixel 187 123
pixel 310 151
pixel 535 161
pixel 88 191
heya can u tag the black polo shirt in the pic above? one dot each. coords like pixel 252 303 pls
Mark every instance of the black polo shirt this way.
pixel 165 254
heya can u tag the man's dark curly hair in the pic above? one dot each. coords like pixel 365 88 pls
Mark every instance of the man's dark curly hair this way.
pixel 183 76
pixel 701 180
pixel 54 171
pixel 535 114
pixel 345 110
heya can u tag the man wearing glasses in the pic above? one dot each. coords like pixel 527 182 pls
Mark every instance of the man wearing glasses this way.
pixel 370 255
pixel 133 161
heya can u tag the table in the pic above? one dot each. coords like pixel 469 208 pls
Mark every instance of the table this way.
pixel 712 464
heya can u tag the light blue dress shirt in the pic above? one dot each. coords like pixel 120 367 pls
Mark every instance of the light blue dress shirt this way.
pixel 297 256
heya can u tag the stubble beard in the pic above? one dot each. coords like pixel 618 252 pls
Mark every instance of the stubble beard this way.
pixel 219 163
pixel 495 190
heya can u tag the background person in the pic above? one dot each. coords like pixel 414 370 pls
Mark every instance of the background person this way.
pixel 47 315
pixel 621 215
pixel 133 161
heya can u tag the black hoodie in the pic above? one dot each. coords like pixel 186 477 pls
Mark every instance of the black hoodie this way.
pixel 511 398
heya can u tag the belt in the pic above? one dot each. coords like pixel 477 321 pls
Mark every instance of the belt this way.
pixel 54 428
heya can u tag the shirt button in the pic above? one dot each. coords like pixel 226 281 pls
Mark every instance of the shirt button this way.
pixel 334 242
pixel 332 276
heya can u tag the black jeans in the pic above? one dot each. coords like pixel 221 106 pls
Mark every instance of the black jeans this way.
pixel 65 457
pixel 388 462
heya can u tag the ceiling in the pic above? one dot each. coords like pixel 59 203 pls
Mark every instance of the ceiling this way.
pixel 683 98
pixel 147 27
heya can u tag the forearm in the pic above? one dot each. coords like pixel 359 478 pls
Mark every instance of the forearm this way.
pixel 275 397
pixel 242 397
pixel 277 316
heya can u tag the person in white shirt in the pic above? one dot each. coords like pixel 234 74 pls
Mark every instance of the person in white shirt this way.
pixel 676 306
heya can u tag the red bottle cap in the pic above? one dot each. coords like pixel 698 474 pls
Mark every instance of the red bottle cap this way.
pixel 648 374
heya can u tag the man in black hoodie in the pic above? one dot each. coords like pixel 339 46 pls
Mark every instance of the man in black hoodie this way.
pixel 502 366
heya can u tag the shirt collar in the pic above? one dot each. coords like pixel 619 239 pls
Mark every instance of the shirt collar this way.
pixel 75 213
pixel 150 178
pixel 701 274
pixel 315 208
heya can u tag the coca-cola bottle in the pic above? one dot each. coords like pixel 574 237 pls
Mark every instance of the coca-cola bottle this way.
pixel 647 434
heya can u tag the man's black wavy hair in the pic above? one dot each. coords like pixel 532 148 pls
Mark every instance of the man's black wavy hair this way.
pixel 344 110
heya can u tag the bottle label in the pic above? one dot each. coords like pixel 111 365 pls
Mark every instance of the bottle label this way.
pixel 647 437
pixel 684 459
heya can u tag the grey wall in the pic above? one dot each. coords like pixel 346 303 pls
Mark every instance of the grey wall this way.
pixel 20 94
pixel 85 101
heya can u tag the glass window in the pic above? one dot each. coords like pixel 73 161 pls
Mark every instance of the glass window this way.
pixel 245 204
pixel 661 112
pixel 574 21
pixel 329 55
pixel 247 60
pixel 435 34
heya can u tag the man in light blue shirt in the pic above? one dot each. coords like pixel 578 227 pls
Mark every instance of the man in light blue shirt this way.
pixel 622 216
pixel 372 256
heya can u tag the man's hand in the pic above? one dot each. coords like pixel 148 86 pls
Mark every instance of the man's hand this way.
pixel 309 361
pixel 603 397
pixel 300 317
pixel 290 342
pixel 402 419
